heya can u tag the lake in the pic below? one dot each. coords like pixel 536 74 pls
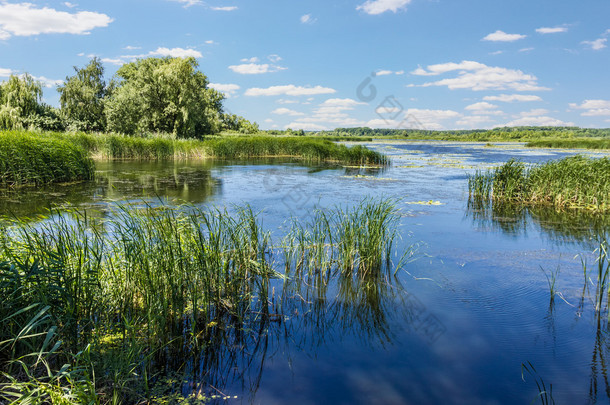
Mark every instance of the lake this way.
pixel 474 306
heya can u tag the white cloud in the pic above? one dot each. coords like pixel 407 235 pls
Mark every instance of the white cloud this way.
pixel 306 126
pixel 430 119
pixel 389 72
pixel 188 3
pixel 534 112
pixel 526 49
pixel 307 19
pixel 284 101
pixel 176 53
pixel 210 42
pixel 286 111
pixel 253 59
pixel 554 30
pixel 229 89
pixel 596 45
pixel 69 5
pixel 375 7
pixel 25 19
pixel 46 82
pixel 595 108
pixel 289 90
pixel 5 72
pixel 255 68
pixel 269 120
pixel 501 36
pixel 496 53
pixel 509 98
pixel 475 121
pixel 226 8
pixel 114 61
pixel 538 121
pixel 480 106
pixel 477 76
pixel 132 48
pixel 274 58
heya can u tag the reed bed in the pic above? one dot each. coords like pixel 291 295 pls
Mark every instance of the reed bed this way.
pixel 571 143
pixel 309 149
pixel 28 159
pixel 572 183
pixel 117 299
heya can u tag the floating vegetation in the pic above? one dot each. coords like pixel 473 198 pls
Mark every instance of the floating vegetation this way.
pixel 572 183
pixel 430 202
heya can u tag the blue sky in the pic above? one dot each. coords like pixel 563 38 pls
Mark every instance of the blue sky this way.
pixel 310 64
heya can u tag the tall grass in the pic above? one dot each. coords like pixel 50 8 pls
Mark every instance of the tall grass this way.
pixel 574 182
pixel 310 149
pixel 28 159
pixel 571 143
pixel 120 298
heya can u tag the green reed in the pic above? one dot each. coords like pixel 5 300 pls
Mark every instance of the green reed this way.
pixel 571 143
pixel 115 296
pixel 28 159
pixel 574 182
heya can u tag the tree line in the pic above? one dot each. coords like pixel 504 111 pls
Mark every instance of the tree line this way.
pixel 151 95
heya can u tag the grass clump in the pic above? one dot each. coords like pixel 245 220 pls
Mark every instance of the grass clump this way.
pixel 571 183
pixel 29 159
pixel 571 143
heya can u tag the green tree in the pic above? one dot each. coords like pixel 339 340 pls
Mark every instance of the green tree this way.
pixel 164 95
pixel 82 97
pixel 232 122
pixel 20 98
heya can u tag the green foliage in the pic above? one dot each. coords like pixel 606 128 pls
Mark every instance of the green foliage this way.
pixel 82 97
pixel 574 182
pixel 166 95
pixel 232 122
pixel 576 143
pixel 20 98
pixel 26 158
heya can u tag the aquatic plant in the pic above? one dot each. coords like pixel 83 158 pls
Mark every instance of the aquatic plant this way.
pixel 124 297
pixel 28 159
pixel 573 182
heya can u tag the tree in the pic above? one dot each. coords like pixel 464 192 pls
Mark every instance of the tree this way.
pixel 164 95
pixel 20 98
pixel 232 122
pixel 82 97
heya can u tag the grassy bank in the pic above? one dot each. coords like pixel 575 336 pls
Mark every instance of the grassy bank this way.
pixel 28 159
pixel 109 146
pixel 576 143
pixel 574 182
pixel 97 310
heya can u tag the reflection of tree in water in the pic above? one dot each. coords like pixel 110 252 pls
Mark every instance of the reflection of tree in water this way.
pixel 116 181
pixel 562 227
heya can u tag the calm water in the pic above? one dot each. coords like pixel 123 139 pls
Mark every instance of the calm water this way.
pixel 476 304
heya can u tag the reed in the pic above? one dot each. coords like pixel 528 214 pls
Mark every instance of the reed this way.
pixel 571 143
pixel 28 159
pixel 143 287
pixel 571 183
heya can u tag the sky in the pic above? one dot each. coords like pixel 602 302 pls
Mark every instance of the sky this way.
pixel 316 65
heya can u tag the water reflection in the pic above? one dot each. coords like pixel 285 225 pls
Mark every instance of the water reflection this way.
pixel 123 181
pixel 562 227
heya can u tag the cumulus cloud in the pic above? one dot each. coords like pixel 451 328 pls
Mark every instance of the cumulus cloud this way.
pixel 477 76
pixel 430 119
pixel 286 111
pixel 596 45
pixel 594 108
pixel 480 106
pixel 25 19
pixel 176 53
pixel 188 3
pixel 307 19
pixel 553 30
pixel 228 89
pixel 289 90
pixel 306 126
pixel 389 72
pixel 475 121
pixel 375 7
pixel 501 36
pixel 226 8
pixel 5 72
pixel 509 98
pixel 255 68
pixel 538 121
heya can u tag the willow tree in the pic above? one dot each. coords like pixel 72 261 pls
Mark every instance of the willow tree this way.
pixel 167 95
pixel 20 98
